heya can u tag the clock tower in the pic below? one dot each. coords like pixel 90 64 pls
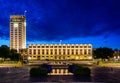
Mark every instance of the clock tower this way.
pixel 17 32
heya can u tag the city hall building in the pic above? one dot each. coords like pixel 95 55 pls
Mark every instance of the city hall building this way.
pixel 59 51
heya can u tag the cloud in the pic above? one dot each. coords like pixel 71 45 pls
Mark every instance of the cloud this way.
pixel 63 19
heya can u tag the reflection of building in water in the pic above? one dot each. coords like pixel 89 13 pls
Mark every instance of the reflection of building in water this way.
pixel 59 51
pixel 60 71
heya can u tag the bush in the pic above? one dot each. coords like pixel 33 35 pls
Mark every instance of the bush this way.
pixel 79 70
pixel 34 72
pixel 47 67
pixel 38 72
pixel 71 68
pixel 82 71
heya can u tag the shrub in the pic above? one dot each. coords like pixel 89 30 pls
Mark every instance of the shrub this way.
pixel 82 71
pixel 79 70
pixel 47 67
pixel 34 72
pixel 38 72
pixel 71 68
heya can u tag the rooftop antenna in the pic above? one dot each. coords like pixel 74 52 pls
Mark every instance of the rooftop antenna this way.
pixel 60 41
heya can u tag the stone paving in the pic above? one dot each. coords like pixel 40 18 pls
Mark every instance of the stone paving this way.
pixel 21 75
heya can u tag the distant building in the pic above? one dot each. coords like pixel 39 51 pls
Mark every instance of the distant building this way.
pixel 116 54
pixel 17 32
pixel 59 51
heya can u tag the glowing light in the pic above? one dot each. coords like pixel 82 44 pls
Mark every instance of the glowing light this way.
pixel 15 25
pixel 77 57
pixel 29 58
pixel 25 24
pixel 90 57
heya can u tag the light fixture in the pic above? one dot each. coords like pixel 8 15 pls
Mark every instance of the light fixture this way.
pixel 15 25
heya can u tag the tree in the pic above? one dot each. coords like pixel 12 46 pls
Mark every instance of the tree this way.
pixel 103 53
pixel 4 52
pixel 116 53
pixel 14 55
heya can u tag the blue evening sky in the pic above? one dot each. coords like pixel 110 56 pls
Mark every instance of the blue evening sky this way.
pixel 73 21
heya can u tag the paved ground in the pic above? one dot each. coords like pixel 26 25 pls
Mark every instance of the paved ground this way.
pixel 21 75
pixel 105 74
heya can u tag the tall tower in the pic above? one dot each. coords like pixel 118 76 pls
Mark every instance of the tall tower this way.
pixel 17 32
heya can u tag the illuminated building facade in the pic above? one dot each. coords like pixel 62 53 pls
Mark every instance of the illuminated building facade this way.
pixel 59 51
pixel 17 32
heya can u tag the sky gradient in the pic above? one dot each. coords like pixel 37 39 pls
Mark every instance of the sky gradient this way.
pixel 73 21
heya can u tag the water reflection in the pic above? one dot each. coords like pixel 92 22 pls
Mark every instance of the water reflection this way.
pixel 61 78
pixel 60 72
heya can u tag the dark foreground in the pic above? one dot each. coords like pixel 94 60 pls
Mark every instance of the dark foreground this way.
pixel 21 75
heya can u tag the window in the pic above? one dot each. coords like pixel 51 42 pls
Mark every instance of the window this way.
pixel 76 46
pixel 30 46
pixel 59 51
pixel 51 46
pixel 38 51
pixel 42 51
pixel 64 46
pixel 55 46
pixel 59 46
pixel 47 46
pixel 80 51
pixel 42 46
pixel 89 51
pixel 34 46
pixel 68 46
pixel 76 51
pixel 85 46
pixel 51 52
pixel 72 51
pixel 72 46
pixel 47 51
pixel 85 51
pixel 34 51
pixel 68 51
pixel 55 51
pixel 38 46
pixel 81 46
pixel 89 46
pixel 30 51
